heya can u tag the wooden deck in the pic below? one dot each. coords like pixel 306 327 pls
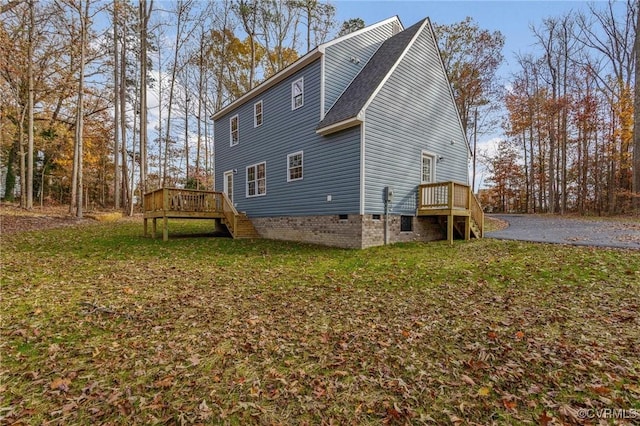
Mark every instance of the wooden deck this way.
pixel 175 203
pixel 456 204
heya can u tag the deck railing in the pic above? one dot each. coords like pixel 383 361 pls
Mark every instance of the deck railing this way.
pixel 165 203
pixel 183 200
pixel 443 195
pixel 450 196
pixel 230 213
pixel 477 214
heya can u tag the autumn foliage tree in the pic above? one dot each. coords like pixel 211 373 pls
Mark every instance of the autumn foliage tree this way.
pixel 570 113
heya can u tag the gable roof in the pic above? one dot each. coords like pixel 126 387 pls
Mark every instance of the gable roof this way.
pixel 355 98
pixel 305 60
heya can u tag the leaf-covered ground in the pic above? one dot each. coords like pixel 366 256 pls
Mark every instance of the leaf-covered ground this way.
pixel 103 326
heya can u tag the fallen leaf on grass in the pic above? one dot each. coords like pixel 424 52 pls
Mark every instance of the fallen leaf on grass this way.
pixel 544 419
pixel 165 382
pixel 61 384
pixel 484 391
pixel 509 405
pixel 194 359
pixel 468 380
pixel 601 390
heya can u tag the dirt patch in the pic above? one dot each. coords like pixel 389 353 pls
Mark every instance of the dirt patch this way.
pixel 14 219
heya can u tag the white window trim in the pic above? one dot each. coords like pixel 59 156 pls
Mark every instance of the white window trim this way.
pixel 247 180
pixel 231 130
pixel 293 105
pixel 255 116
pixel 225 186
pixel 433 165
pixel 301 153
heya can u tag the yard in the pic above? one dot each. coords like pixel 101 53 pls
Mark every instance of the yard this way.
pixel 103 326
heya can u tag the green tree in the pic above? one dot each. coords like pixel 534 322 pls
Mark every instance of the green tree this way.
pixel 350 25
pixel 471 58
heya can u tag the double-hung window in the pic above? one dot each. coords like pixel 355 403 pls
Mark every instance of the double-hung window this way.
pixel 297 93
pixel 294 166
pixel 257 179
pixel 257 114
pixel 234 130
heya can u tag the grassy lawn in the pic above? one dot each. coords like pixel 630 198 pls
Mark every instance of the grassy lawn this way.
pixel 101 325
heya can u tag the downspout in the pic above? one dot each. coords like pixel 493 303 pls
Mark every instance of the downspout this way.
pixel 386 221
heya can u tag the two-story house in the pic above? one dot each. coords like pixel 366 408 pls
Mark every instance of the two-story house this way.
pixel 340 147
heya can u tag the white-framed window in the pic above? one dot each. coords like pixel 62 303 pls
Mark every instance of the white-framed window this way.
pixel 257 114
pixel 257 180
pixel 428 167
pixel 297 93
pixel 234 130
pixel 294 166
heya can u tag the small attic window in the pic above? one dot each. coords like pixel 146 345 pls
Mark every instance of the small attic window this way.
pixel 395 29
pixel 297 93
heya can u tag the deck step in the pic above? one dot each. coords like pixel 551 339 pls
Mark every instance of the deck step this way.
pixel 244 227
pixel 475 229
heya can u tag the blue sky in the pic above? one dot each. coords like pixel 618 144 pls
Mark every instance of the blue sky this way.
pixel 513 19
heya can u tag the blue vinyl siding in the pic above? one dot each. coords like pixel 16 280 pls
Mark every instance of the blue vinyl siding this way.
pixel 331 165
pixel 414 111
pixel 339 71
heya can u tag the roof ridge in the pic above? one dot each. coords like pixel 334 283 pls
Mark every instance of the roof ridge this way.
pixel 357 95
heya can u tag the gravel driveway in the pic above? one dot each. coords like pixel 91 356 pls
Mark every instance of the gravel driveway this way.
pixel 569 230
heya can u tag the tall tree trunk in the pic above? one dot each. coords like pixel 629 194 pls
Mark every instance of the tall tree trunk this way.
pixel 201 72
pixel 186 131
pixel 123 125
pixel 84 28
pixel 23 164
pixel 161 178
pixel 144 22
pixel 636 116
pixel 29 183
pixel 174 70
pixel 10 180
pixel 116 108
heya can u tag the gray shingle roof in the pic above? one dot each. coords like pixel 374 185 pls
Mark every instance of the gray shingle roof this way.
pixel 364 85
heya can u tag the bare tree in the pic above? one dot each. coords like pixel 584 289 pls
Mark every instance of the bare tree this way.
pixel 613 38
pixel 248 11
pixel 32 23
pixel 116 105
pixel 145 14
pixel 184 29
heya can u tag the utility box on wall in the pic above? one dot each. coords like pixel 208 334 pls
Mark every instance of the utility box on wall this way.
pixel 388 194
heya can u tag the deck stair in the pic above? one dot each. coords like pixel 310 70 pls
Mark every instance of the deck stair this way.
pixel 458 209
pixel 243 227
pixel 177 203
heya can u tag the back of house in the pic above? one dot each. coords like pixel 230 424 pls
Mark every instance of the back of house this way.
pixel 335 148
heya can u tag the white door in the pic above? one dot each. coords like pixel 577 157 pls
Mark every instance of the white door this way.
pixel 428 168
pixel 429 194
pixel 228 184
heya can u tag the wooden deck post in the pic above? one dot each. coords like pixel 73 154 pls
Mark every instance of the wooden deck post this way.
pixel 165 228
pixel 450 228
pixel 145 227
pixel 154 227
pixel 467 228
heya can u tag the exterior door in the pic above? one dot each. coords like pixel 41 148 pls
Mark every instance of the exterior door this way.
pixel 430 195
pixel 428 168
pixel 228 184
